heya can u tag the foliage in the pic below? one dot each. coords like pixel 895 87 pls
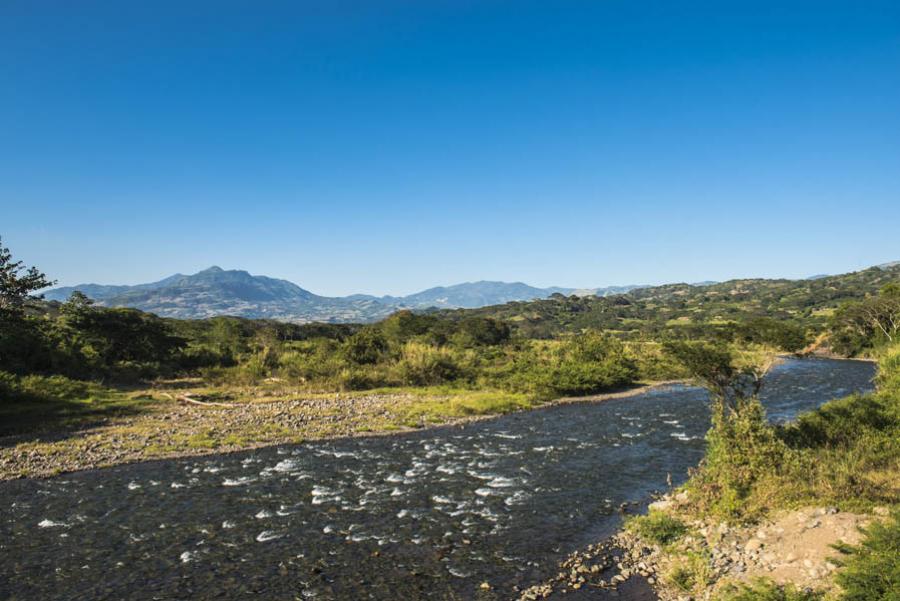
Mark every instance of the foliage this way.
pixel 690 572
pixel 425 365
pixel 766 590
pixel 792 311
pixel 868 323
pixel 657 526
pixel 742 447
pixel 17 283
pixel 871 571
pixel 365 347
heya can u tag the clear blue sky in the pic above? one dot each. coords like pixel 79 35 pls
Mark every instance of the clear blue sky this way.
pixel 386 147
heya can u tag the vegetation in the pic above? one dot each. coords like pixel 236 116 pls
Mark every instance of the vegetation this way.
pixel 844 454
pixel 787 314
pixel 872 571
pixel 657 526
pixel 766 590
pixel 75 363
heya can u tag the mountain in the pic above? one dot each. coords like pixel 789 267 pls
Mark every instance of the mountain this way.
pixel 471 295
pixel 216 291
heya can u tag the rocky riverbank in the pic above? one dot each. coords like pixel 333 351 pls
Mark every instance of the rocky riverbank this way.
pixel 792 548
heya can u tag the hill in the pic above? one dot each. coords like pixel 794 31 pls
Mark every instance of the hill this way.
pixel 689 308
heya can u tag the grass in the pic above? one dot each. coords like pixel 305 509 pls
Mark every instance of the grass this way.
pixel 452 404
pixel 657 526
pixel 766 590
pixel 690 572
pixel 42 403
pixel 846 454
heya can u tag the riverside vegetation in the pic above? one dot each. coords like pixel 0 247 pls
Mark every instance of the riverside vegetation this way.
pixel 843 457
pixel 78 379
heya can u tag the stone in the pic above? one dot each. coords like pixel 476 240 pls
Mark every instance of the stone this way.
pixel 754 544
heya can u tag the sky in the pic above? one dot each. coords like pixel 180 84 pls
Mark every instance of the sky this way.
pixel 385 147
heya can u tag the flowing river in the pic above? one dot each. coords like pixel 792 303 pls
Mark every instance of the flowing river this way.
pixel 424 515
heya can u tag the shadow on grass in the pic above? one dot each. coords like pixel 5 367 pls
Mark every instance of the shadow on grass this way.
pixel 36 419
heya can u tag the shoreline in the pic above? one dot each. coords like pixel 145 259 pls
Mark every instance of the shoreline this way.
pixel 48 454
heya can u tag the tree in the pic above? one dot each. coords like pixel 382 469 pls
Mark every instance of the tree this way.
pixel 712 366
pixel 366 347
pixel 863 324
pixel 17 283
pixel 741 445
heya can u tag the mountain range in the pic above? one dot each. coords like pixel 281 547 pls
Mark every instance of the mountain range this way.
pixel 216 291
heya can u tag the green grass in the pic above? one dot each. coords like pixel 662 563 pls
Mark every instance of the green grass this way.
pixel 657 526
pixel 766 590
pixel 462 403
pixel 35 402
pixel 690 572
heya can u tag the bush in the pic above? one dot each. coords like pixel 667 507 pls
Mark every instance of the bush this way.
pixel 366 347
pixel 658 527
pixel 362 378
pixel 871 571
pixel 742 449
pixel 425 365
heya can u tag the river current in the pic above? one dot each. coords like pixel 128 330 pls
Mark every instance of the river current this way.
pixel 424 515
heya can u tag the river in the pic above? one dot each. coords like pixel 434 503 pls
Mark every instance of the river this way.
pixel 424 515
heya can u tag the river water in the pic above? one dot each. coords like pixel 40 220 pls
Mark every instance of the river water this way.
pixel 426 515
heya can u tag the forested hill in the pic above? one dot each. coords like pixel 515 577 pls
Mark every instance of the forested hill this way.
pixel 806 304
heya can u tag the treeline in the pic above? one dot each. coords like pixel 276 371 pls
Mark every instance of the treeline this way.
pixel 79 340
pixel 558 346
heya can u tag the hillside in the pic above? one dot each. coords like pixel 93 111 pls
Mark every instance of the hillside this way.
pixel 649 311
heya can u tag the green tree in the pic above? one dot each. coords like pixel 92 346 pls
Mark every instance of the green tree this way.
pixel 22 344
pixel 741 445
pixel 366 347
pixel 17 284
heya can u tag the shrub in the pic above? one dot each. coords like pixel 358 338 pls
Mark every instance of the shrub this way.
pixel 658 527
pixel 871 571
pixel 366 347
pixel 742 449
pixel 424 365
pixel 361 378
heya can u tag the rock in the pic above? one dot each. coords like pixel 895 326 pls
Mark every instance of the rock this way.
pixel 881 511
pixel 754 544
pixel 485 586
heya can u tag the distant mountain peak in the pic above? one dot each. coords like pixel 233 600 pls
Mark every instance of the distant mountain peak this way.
pixel 212 269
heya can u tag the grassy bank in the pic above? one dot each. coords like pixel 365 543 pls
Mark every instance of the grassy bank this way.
pixel 843 457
